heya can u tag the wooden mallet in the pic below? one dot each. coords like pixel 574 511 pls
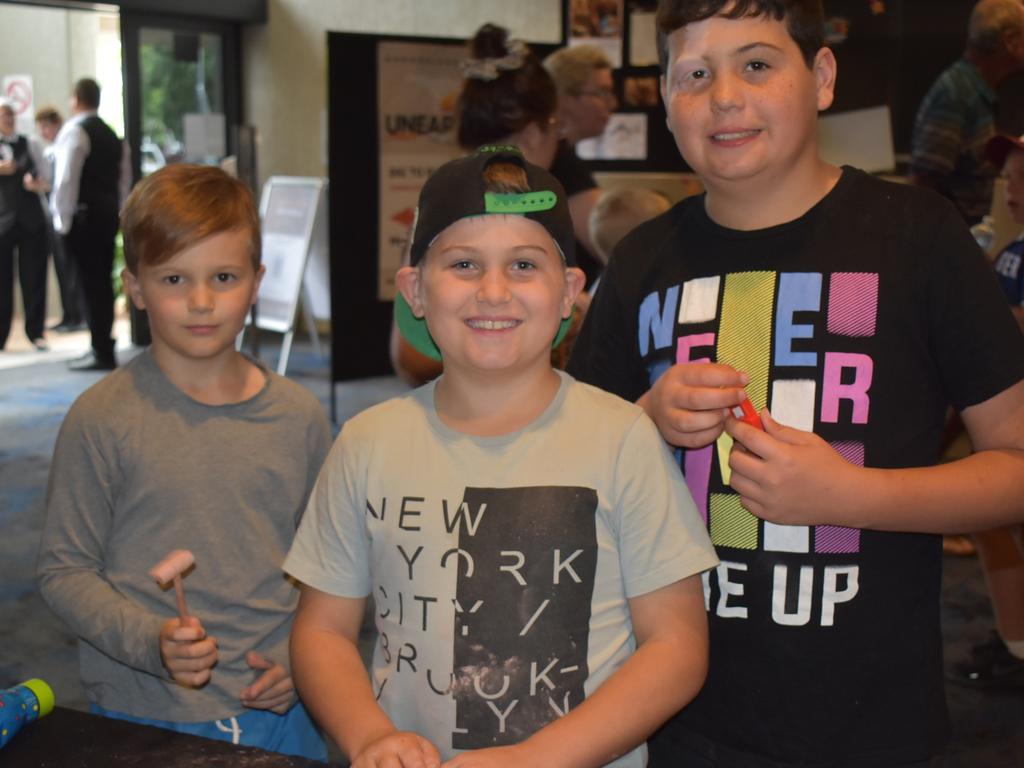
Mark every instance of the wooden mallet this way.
pixel 170 569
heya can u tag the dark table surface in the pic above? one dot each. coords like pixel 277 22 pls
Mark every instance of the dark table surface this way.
pixel 67 738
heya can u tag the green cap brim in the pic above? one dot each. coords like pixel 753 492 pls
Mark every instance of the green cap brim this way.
pixel 414 329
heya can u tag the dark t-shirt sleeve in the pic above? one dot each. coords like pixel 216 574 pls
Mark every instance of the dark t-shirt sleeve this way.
pixel 977 345
pixel 605 354
pixel 571 171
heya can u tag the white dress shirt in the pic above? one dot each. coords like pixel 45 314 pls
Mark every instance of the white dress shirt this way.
pixel 70 149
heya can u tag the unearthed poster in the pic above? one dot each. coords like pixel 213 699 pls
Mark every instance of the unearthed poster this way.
pixel 417 86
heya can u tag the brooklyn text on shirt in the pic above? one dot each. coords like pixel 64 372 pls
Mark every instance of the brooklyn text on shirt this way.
pixel 495 585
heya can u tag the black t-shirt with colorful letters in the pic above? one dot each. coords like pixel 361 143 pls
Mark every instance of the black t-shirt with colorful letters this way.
pixel 860 321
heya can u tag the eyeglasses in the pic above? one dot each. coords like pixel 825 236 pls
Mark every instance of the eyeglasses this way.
pixel 607 96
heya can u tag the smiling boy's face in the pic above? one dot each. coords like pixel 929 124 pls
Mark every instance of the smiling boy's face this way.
pixel 493 290
pixel 741 101
pixel 1013 170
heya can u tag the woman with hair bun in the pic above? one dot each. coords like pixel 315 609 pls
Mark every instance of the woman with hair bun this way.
pixel 507 97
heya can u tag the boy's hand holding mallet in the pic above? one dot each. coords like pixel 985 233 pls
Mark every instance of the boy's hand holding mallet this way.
pixel 187 653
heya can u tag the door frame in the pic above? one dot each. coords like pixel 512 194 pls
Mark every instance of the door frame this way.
pixel 131 25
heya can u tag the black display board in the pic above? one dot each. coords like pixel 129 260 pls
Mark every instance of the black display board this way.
pixel 359 322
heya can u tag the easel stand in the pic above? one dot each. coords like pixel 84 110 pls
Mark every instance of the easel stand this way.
pixel 293 211
pixel 287 337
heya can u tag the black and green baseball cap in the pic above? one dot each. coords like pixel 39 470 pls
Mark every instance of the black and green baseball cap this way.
pixel 457 190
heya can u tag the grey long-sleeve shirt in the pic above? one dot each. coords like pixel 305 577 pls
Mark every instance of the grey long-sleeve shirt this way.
pixel 140 469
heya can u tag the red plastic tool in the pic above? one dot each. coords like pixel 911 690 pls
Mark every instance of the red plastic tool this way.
pixel 745 411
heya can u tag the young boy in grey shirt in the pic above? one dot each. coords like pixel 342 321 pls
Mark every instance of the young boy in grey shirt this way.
pixel 191 445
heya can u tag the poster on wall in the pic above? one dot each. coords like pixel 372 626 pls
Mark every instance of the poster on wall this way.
pixel 598 23
pixel 643 39
pixel 417 86
pixel 624 138
pixel 18 91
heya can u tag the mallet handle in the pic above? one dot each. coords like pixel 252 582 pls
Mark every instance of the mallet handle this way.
pixel 179 590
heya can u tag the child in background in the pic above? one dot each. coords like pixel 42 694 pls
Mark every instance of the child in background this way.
pixel 616 213
pixel 191 445
pixel 1007 153
pixel 531 551
pixel 852 312
pixel 619 212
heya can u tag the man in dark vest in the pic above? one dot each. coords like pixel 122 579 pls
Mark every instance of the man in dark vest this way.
pixel 85 203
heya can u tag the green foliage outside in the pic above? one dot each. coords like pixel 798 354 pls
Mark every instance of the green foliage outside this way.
pixel 170 91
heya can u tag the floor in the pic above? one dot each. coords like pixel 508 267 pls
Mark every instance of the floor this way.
pixel 35 391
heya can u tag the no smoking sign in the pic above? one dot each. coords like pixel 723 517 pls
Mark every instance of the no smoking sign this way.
pixel 17 89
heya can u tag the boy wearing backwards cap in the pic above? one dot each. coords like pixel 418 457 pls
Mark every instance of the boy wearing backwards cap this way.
pixel 191 445
pixel 531 552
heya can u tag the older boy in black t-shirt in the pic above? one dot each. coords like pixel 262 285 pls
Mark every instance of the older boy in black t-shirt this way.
pixel 852 312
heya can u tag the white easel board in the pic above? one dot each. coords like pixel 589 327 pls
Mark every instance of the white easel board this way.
pixel 289 209
pixel 293 212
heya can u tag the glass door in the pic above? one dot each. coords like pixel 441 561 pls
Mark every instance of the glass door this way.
pixel 182 90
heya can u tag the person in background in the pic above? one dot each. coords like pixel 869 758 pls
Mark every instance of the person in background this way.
pixel 48 124
pixel 953 122
pixel 507 98
pixel 998 662
pixel 88 188
pixel 586 101
pixel 957 115
pixel 22 229
pixel 1007 153
pixel 618 212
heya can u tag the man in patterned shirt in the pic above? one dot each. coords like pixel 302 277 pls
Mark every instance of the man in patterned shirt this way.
pixel 956 117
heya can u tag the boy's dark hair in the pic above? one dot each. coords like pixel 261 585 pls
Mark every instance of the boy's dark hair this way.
pixel 491 108
pixel 87 93
pixel 805 20
pixel 180 205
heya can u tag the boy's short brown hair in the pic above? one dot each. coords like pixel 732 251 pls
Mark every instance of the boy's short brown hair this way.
pixel 180 205
pixel 805 20
pixel 48 114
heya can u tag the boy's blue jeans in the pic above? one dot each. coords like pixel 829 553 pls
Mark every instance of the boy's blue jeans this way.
pixel 292 733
